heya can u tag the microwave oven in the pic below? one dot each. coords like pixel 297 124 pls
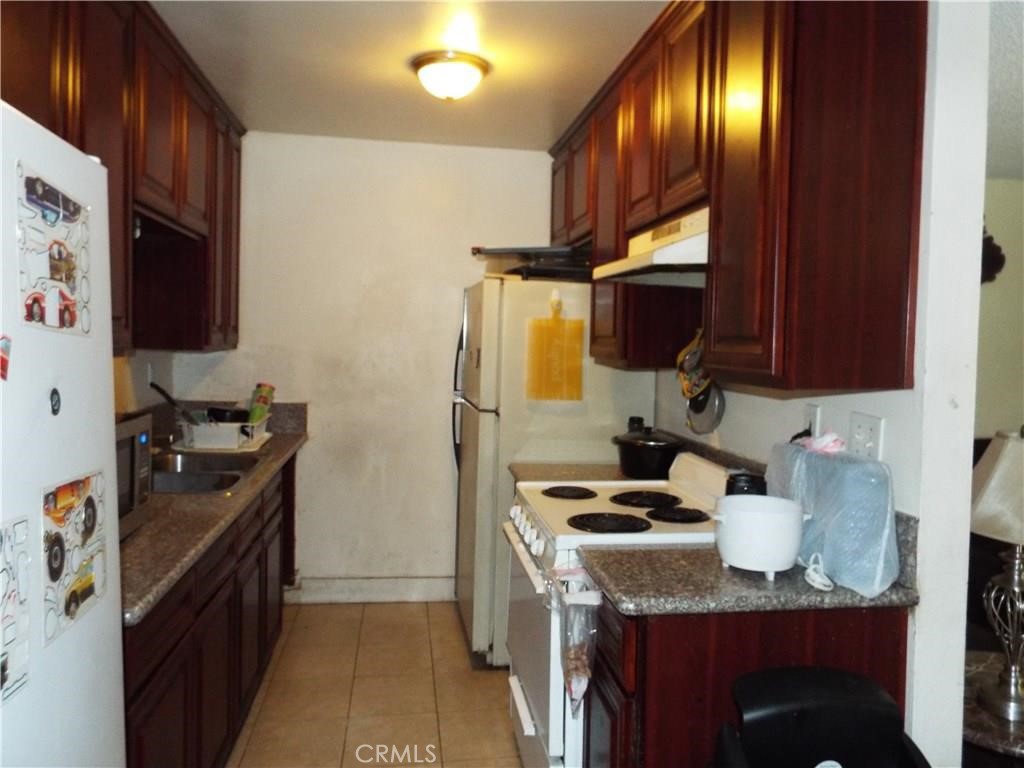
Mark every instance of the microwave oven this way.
pixel 133 472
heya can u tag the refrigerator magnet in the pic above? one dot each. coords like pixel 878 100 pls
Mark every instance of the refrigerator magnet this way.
pixel 14 607
pixel 5 355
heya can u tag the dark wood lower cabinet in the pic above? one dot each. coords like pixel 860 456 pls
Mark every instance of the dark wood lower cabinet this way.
pixel 662 685
pixel 216 695
pixel 194 663
pixel 248 590
pixel 161 722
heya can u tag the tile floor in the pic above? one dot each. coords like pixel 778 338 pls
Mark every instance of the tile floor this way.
pixel 391 674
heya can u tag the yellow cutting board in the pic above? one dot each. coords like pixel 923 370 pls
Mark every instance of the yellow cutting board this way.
pixel 554 356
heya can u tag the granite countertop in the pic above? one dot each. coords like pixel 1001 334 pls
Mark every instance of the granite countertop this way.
pixel 650 580
pixel 184 525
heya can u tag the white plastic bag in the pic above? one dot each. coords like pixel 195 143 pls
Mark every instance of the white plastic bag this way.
pixel 852 525
pixel 578 600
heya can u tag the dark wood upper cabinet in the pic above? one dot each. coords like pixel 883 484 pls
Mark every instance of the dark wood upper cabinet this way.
pixel 101 126
pixel 745 296
pixel 815 194
pixel 559 195
pixel 197 161
pixel 158 120
pixel 685 156
pixel 580 197
pixel 642 136
pixel 34 61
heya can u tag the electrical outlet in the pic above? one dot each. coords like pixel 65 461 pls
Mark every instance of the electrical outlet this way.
pixel 866 435
pixel 812 418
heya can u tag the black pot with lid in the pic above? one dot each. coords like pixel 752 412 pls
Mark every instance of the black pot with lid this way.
pixel 646 453
pixel 746 483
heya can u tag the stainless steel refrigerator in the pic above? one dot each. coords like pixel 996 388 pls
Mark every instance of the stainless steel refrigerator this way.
pixel 495 424
pixel 60 624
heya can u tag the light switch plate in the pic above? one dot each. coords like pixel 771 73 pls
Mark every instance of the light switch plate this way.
pixel 812 418
pixel 866 434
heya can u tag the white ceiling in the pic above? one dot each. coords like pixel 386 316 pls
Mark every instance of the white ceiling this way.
pixel 341 68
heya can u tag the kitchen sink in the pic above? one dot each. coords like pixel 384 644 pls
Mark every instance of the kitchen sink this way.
pixel 181 463
pixel 193 482
pixel 198 472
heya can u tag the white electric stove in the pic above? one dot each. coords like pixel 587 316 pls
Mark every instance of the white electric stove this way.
pixel 549 521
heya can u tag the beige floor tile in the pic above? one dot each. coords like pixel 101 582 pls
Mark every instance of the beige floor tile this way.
pixel 405 739
pixel 451 656
pixel 381 633
pixel 336 634
pixel 393 659
pixel 285 744
pixel 316 614
pixel 392 695
pixel 444 613
pixel 479 689
pixel 446 630
pixel 483 735
pixel 314 698
pixel 235 758
pixel 402 613
pixel 288 612
pixel 299 662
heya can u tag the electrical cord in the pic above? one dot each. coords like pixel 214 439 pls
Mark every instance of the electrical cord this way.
pixel 815 574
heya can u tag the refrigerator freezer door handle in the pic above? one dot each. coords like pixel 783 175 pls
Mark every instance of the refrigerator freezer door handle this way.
pixel 457 403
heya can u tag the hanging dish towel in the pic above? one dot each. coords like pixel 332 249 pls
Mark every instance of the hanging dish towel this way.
pixel 554 356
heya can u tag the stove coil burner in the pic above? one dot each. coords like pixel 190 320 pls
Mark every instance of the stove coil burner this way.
pixel 574 492
pixel 645 499
pixel 678 515
pixel 608 522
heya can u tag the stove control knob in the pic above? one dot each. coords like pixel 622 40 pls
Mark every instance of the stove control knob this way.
pixel 531 535
pixel 515 512
pixel 521 524
pixel 537 548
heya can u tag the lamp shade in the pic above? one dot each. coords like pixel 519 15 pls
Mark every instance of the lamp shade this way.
pixel 449 75
pixel 997 490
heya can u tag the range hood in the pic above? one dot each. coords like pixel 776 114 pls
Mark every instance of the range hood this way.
pixel 674 253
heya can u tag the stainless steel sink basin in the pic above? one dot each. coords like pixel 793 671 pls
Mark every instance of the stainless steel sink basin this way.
pixel 193 482
pixel 202 462
pixel 199 472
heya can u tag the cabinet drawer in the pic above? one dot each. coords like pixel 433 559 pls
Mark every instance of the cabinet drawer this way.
pixel 617 642
pixel 272 495
pixel 216 564
pixel 148 642
pixel 248 526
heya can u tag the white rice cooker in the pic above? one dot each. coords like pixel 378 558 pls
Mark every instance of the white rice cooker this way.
pixel 758 533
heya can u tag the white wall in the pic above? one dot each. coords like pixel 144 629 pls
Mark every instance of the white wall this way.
pixel 1000 401
pixel 355 254
pixel 928 430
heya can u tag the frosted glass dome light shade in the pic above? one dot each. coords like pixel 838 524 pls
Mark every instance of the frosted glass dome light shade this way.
pixel 449 75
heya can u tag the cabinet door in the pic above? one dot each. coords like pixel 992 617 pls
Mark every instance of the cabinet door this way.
pixel 559 191
pixel 157 120
pixel 641 94
pixel 197 147
pixel 745 295
pixel 102 127
pixel 34 61
pixel 610 723
pixel 579 186
pixel 216 694
pixel 606 332
pixel 248 590
pixel 160 724
pixel 272 588
pixel 686 107
pixel 228 220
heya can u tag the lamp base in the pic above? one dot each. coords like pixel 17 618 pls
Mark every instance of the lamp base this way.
pixel 1002 699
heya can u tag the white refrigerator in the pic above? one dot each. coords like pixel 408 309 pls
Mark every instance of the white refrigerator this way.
pixel 495 424
pixel 62 692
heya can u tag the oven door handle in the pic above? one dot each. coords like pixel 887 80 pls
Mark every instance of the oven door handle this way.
pixel 522 708
pixel 525 560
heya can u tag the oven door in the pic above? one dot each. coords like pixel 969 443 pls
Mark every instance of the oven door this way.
pixel 534 646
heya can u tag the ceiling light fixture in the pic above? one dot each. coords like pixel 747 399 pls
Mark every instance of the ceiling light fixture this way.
pixel 449 75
